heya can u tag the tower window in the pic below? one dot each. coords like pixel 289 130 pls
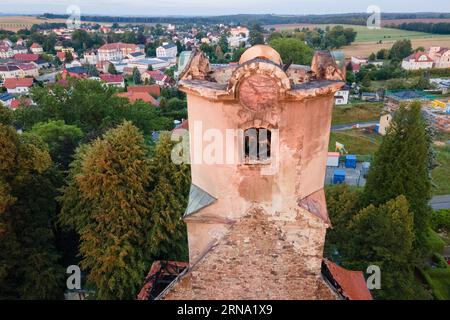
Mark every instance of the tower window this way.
pixel 257 143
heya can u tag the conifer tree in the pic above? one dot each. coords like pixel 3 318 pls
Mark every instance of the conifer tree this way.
pixel 29 266
pixel 401 167
pixel 169 193
pixel 106 202
pixel 383 236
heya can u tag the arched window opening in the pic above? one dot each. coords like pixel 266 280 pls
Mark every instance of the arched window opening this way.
pixel 257 143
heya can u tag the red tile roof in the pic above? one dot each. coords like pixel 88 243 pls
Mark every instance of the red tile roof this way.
pixel 157 75
pixel 35 46
pixel 416 56
pixel 12 83
pixel 61 55
pixel 111 78
pixel 118 46
pixel 15 103
pixel 135 96
pixel 152 89
pixel 350 284
pixel 26 57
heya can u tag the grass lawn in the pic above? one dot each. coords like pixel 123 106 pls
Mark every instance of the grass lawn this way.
pixel 356 141
pixel 441 174
pixel 360 112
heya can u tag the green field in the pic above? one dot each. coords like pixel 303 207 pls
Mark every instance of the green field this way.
pixel 358 141
pixel 441 174
pixel 367 35
pixel 358 112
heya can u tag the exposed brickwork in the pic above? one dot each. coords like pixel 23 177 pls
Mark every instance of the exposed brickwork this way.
pixel 255 260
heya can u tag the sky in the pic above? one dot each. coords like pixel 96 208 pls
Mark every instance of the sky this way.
pixel 218 7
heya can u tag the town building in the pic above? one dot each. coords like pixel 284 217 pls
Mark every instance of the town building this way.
pixel 341 97
pixel 5 99
pixel 90 57
pixel 257 216
pixel 113 80
pixel 116 51
pixel 239 31
pixel 167 50
pixel 36 48
pixel 440 56
pixel 6 52
pixel 144 64
pixel 18 85
pixel 417 61
pixel 158 76
pixel 10 71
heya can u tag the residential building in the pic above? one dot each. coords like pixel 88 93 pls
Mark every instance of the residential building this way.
pixel 26 57
pixel 359 60
pixel 6 52
pixel 19 49
pixel 341 97
pixel 257 220
pixel 90 57
pixel 242 32
pixel 36 48
pixel 158 76
pixel 441 57
pixel 136 56
pixel 167 51
pixel 135 96
pixel 144 64
pixel 18 85
pixel 151 89
pixel 113 80
pixel 417 61
pixel 10 71
pixel 5 99
pixel 116 51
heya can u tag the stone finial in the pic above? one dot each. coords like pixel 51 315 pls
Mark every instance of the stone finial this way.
pixel 324 67
pixel 198 67
pixel 261 51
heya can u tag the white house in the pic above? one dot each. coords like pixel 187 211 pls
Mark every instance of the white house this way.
pixel 341 97
pixel 18 85
pixel 242 32
pixel 36 48
pixel 360 61
pixel 417 61
pixel 6 52
pixel 116 51
pixel 167 51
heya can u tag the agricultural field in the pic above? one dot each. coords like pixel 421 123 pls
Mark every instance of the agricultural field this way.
pixel 14 23
pixel 368 41
pixel 390 22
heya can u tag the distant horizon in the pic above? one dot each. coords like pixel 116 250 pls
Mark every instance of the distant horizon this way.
pixel 192 8
pixel 212 15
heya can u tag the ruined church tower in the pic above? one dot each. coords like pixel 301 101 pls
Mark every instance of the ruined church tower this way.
pixel 257 214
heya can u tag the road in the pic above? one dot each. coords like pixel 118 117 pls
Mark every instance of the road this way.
pixel 440 202
pixel 349 126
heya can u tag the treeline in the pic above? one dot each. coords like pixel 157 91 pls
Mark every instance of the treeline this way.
pixel 247 19
pixel 435 28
